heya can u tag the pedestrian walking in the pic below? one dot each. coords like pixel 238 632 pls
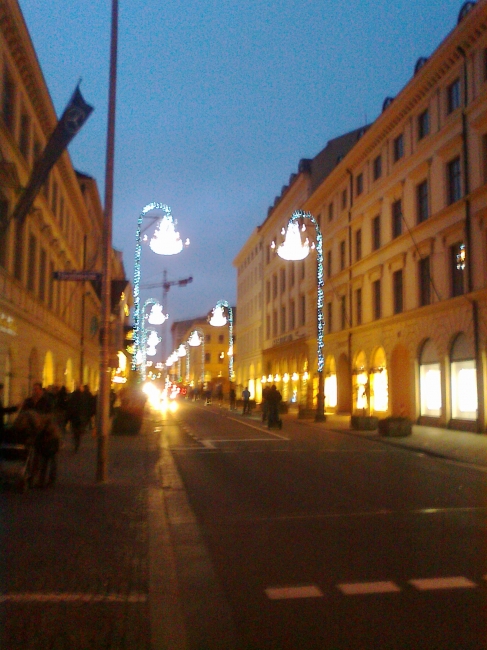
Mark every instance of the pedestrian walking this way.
pixel 38 401
pixel 265 403
pixel 233 399
pixel 274 399
pixel 80 411
pixel 246 401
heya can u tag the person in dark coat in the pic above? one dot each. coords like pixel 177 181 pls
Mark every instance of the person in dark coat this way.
pixel 80 411
pixel 38 401
pixel 274 398
pixel 246 401
pixel 233 399
pixel 265 403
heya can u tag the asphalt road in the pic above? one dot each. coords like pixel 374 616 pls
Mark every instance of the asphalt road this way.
pixel 325 540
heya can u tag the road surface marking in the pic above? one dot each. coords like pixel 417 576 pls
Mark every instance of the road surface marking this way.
pixel 454 582
pixel 208 444
pixel 360 588
pixel 72 598
pixel 285 593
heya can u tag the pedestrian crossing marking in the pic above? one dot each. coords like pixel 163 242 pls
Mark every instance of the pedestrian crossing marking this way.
pixel 61 597
pixel 286 593
pixel 361 588
pixel 453 582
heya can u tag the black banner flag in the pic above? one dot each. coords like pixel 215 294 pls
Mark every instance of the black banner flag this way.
pixel 75 115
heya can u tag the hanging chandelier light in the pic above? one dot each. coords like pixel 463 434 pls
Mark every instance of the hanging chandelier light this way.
pixel 166 240
pixel 194 339
pixel 181 352
pixel 293 248
pixel 156 317
pixel 218 318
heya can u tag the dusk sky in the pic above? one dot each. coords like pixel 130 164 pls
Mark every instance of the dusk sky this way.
pixel 216 104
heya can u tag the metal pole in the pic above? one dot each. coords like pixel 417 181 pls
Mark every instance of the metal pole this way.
pixel 104 388
pixel 83 311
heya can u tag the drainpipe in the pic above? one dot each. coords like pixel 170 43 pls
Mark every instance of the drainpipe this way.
pixel 469 262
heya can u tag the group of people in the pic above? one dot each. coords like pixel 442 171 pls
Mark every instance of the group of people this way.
pixel 271 399
pixel 42 421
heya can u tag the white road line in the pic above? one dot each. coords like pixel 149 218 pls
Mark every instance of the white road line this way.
pixel 286 593
pixel 72 598
pixel 208 444
pixel 218 440
pixel 361 588
pixel 454 582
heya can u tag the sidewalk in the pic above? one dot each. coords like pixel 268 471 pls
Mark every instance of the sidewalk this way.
pixel 74 560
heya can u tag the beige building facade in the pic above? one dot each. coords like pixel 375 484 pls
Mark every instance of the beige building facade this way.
pixel 403 217
pixel 49 329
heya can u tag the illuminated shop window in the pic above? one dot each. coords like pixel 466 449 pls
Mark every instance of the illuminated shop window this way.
pixel 463 379
pixel 464 390
pixel 331 391
pixel 430 388
pixel 430 381
pixel 380 390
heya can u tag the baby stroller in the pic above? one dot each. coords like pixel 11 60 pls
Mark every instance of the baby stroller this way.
pixel 17 451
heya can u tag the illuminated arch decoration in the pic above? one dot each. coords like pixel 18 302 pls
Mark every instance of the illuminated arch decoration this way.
pixel 166 225
pixel 218 319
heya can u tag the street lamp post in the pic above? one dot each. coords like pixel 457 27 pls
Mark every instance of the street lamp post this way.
pixel 218 319
pixel 294 249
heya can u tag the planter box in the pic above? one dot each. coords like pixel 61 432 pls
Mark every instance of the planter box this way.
pixel 364 422
pixel 396 427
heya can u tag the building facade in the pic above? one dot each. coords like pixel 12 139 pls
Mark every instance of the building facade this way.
pixel 402 216
pixel 49 329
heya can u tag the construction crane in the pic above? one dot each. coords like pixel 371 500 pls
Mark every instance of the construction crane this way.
pixel 166 285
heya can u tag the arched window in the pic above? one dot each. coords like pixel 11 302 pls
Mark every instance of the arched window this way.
pixel 430 380
pixel 463 372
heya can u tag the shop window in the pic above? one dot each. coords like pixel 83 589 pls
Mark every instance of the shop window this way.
pixel 430 381
pixel 463 380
